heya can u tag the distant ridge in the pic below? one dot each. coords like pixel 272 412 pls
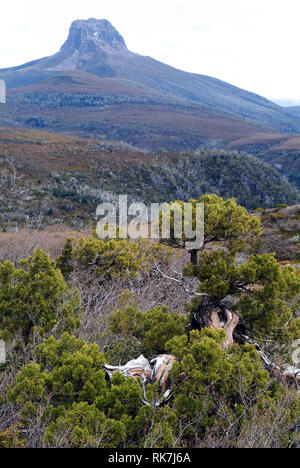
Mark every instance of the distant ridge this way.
pixel 286 102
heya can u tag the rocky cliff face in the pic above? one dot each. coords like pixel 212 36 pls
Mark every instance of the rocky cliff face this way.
pixel 91 36
pixel 88 47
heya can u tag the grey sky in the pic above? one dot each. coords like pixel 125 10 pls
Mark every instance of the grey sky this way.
pixel 249 43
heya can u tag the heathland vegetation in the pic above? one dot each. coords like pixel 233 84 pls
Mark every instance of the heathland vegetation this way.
pixel 58 179
pixel 226 324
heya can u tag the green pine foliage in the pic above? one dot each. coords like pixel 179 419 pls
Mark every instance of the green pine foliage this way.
pixel 115 258
pixel 224 221
pixel 35 298
pixel 83 409
pixel 64 261
pixel 213 388
pixel 58 394
pixel 144 332
pixel 217 388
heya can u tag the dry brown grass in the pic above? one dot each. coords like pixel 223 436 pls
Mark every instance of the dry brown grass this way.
pixel 17 245
pixel 37 154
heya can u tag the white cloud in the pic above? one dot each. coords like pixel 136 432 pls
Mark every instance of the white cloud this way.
pixel 251 43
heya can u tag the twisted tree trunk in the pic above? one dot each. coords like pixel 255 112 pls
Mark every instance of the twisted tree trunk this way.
pixel 141 367
pixel 215 315
pixel 216 321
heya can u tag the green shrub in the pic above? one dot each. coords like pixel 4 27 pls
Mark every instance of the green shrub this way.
pixel 35 297
pixel 217 389
pixel 151 329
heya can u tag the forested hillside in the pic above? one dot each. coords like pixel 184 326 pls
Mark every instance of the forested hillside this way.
pixel 58 179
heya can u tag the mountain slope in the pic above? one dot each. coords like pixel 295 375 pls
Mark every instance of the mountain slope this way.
pixel 294 110
pixel 94 46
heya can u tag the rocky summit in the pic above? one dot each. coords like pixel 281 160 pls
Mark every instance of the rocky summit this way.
pixel 91 36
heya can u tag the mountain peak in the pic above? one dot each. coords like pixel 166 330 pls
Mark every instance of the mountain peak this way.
pixel 91 35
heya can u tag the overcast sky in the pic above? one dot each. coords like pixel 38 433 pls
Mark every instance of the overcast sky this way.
pixel 253 44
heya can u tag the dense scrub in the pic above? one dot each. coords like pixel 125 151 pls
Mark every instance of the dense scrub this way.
pixel 64 319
